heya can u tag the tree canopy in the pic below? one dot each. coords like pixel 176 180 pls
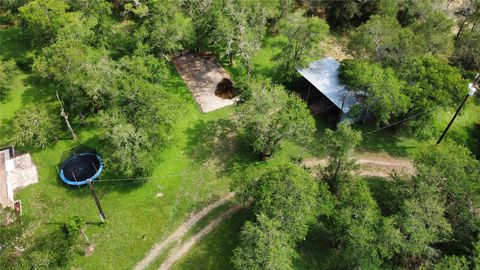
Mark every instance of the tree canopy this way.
pixel 270 114
pixel 383 93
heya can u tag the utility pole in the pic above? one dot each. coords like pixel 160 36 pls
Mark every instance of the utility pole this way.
pixel 97 201
pixel 472 88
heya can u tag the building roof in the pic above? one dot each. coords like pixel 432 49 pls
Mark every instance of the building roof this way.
pixel 323 74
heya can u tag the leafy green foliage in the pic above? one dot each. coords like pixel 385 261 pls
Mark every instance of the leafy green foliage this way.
pixel 423 224
pixel 48 251
pixel 8 69
pixel 241 27
pixel 203 16
pixel 12 229
pixel 455 172
pixel 467 50
pixel 73 226
pixel 431 82
pixel 126 148
pixel 264 245
pixel 340 146
pixel 361 236
pixel 270 115
pixel 33 128
pixel 383 94
pixel 304 35
pixel 43 19
pixel 86 78
pixel 452 263
pixel 284 201
pixel 435 29
pixel 383 39
pixel 287 194
pixel 166 29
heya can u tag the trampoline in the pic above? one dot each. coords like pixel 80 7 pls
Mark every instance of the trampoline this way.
pixel 79 168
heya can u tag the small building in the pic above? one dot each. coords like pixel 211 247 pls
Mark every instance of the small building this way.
pixel 16 172
pixel 323 76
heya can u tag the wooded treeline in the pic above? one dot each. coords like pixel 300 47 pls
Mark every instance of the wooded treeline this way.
pixel 107 63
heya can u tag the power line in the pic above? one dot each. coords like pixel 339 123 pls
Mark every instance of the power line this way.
pixel 398 122
pixel 179 174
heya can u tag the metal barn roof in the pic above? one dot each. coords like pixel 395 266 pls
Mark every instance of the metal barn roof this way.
pixel 323 74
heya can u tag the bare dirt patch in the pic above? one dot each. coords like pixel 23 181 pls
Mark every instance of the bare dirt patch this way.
pixel 373 164
pixel 202 75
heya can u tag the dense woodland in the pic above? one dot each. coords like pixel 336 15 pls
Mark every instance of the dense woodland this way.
pixel 106 65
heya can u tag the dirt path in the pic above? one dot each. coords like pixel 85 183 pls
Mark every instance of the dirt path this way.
pixel 373 164
pixel 180 251
pixel 179 233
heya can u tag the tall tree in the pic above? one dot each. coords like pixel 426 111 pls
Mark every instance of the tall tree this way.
pixel 422 223
pixel 264 245
pixel 383 94
pixel 340 147
pixel 436 30
pixel 240 29
pixel 285 201
pixel 432 82
pixel 42 19
pixel 270 115
pixel 467 50
pixel 202 14
pixel 287 194
pixel 33 127
pixel 453 169
pixel 361 237
pixel 303 37
pixel 166 29
pixel 8 69
pixel 86 77
pixel 128 148
pixel 383 39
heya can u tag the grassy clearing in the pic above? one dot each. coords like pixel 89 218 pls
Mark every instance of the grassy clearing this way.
pixel 137 217
pixel 215 250
pixel 193 170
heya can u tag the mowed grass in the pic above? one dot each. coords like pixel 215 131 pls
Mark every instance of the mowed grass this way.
pixel 138 214
pixel 215 250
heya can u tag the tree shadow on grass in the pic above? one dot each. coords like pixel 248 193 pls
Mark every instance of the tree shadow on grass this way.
pixel 175 85
pixel 216 145
pixel 386 194
pixel 38 91
pixel 13 44
pixel 385 141
pixel 474 140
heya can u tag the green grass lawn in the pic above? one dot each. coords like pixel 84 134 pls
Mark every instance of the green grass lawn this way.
pixel 216 249
pixel 195 168
pixel 192 170
pixel 136 216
